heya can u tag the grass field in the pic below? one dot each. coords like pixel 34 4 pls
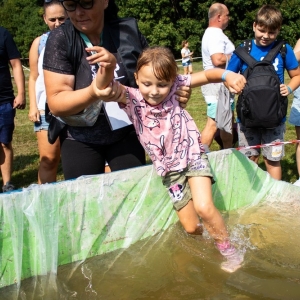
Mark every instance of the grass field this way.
pixel 26 151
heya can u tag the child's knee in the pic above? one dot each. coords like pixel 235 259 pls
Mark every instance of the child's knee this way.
pixel 206 211
pixel 194 229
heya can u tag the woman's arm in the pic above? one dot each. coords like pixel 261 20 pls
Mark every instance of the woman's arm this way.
pixel 33 113
pixel 63 100
pixel 293 84
pixel 297 50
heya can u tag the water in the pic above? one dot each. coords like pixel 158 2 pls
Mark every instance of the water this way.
pixel 172 265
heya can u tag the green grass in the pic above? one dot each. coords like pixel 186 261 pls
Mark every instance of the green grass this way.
pixel 26 150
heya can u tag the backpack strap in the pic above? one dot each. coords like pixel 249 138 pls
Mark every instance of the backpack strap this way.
pixel 279 46
pixel 242 51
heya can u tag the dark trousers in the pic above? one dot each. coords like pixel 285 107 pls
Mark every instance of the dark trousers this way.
pixel 89 159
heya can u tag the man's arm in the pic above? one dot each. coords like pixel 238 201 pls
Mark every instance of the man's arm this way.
pixel 220 59
pixel 20 99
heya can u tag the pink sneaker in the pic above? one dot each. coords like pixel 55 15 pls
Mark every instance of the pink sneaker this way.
pixel 234 258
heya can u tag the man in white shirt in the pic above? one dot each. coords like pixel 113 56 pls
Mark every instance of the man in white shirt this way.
pixel 216 51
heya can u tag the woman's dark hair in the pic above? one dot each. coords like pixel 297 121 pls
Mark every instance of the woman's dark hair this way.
pixel 111 12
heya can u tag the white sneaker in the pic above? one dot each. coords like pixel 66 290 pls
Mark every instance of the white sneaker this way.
pixel 297 183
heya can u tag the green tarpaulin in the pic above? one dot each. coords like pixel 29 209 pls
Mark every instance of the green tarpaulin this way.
pixel 45 226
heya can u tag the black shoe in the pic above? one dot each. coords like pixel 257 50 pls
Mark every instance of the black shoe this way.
pixel 8 187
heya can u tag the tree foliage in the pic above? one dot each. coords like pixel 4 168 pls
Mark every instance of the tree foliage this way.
pixel 23 19
pixel 163 22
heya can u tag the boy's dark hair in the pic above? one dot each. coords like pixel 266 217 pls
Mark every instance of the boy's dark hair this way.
pixel 269 16
pixel 162 61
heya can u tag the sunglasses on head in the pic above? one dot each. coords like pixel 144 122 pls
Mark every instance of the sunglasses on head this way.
pixel 70 5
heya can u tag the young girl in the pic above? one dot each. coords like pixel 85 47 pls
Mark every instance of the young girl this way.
pixel 171 138
pixel 186 55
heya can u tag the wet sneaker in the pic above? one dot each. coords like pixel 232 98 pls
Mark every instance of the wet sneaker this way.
pixel 8 187
pixel 234 258
pixel 233 262
pixel 297 183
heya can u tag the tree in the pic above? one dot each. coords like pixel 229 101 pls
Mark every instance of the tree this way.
pixel 23 19
pixel 163 22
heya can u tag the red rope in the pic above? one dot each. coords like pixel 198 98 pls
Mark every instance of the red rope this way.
pixel 269 144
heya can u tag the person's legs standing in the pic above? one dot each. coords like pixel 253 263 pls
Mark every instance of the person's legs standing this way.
pixel 273 168
pixel 227 139
pixel 273 154
pixel 205 208
pixel 249 137
pixel 208 133
pixel 297 128
pixel 80 159
pixel 294 119
pixel 49 153
pixel 7 115
pixel 6 161
pixel 126 153
pixel 190 68
pixel 185 68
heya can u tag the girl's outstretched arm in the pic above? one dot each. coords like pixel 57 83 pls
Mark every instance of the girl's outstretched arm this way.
pixel 233 81
pixel 106 62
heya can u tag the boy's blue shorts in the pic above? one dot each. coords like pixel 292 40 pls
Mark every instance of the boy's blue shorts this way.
pixel 7 125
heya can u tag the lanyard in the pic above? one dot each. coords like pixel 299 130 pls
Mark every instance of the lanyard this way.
pixel 89 44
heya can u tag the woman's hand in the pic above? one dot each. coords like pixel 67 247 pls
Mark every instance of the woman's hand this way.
pixel 101 56
pixel 114 92
pixel 34 115
pixel 183 95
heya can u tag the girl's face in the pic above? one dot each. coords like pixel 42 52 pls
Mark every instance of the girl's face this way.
pixel 54 15
pixel 264 36
pixel 152 89
pixel 88 21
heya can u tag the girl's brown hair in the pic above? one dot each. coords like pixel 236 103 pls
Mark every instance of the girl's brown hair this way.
pixel 183 43
pixel 162 61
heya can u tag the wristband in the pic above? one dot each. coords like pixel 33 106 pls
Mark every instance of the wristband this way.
pixel 224 75
pixel 289 89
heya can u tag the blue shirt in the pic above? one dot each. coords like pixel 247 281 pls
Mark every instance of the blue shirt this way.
pixel 259 52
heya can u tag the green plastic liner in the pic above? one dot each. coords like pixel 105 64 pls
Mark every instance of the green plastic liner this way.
pixel 45 226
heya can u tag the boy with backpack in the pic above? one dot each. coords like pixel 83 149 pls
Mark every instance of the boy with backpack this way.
pixel 262 105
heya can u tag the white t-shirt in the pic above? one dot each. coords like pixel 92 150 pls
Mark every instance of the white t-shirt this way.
pixel 214 41
pixel 40 90
pixel 185 52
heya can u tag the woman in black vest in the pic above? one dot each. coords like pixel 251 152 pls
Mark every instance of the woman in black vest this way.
pixel 94 133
